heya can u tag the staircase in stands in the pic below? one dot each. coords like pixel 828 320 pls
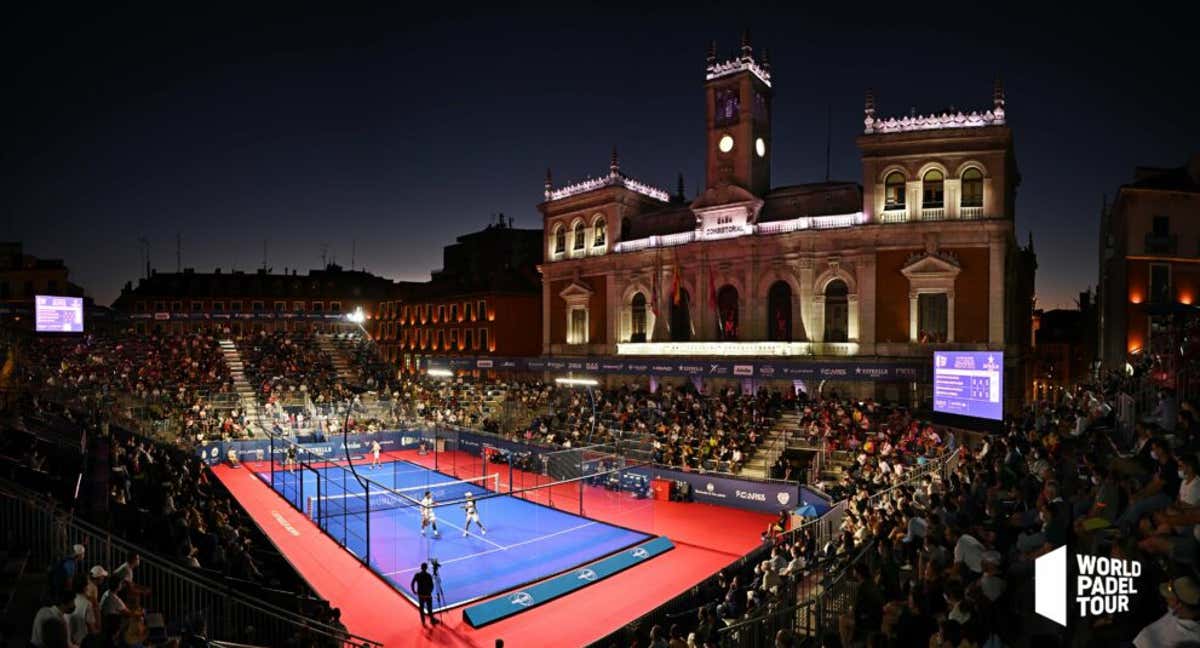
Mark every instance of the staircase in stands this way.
pixel 247 395
pixel 338 355
pixel 759 464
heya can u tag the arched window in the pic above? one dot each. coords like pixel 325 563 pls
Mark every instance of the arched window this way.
pixel 579 234
pixel 727 311
pixel 837 311
pixel 601 233
pixel 893 191
pixel 932 185
pixel 681 318
pixel 560 239
pixel 779 312
pixel 972 188
pixel 638 333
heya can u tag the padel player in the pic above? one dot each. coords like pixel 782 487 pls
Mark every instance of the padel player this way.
pixel 375 453
pixel 428 517
pixel 289 458
pixel 422 586
pixel 472 516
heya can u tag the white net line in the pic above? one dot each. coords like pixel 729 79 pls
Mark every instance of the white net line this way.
pixel 399 497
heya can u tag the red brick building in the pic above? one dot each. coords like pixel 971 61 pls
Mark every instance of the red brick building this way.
pixel 485 301
pixel 922 254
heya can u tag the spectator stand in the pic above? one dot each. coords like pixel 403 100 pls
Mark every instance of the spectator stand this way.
pixel 191 602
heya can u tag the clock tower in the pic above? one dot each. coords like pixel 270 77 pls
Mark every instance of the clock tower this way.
pixel 738 94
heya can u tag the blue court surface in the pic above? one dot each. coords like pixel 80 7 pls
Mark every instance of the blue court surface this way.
pixel 524 541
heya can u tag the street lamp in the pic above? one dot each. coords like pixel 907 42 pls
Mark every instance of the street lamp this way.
pixel 583 382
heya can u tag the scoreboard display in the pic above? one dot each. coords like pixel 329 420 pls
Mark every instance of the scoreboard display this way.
pixel 969 383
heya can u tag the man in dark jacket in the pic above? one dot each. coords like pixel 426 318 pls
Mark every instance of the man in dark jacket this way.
pixel 422 586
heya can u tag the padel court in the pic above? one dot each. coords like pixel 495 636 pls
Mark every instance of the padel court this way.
pixel 524 541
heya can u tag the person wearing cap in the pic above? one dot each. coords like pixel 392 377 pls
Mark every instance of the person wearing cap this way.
pixel 62 575
pixel 1181 624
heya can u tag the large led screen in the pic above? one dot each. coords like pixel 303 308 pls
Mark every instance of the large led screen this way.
pixel 55 314
pixel 969 383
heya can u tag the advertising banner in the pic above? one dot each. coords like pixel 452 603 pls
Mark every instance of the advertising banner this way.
pixel 690 367
pixel 766 497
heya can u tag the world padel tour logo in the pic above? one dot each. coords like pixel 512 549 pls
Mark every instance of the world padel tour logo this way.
pixel 586 574
pixel 991 365
pixel 783 498
pixel 1103 585
pixel 523 599
pixel 640 554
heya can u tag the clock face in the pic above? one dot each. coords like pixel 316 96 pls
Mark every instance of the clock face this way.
pixel 726 143
pixel 760 147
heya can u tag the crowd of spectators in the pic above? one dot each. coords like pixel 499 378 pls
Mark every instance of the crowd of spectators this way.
pixel 282 366
pixel 167 374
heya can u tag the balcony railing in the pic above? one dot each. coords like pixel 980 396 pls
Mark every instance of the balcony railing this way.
pixel 970 213
pixel 933 213
pixel 1161 243
pixel 894 214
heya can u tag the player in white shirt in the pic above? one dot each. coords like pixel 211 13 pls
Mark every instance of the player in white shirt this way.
pixel 375 447
pixel 472 516
pixel 428 517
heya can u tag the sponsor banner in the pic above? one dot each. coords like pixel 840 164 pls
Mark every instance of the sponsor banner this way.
pixel 739 493
pixel 215 452
pixel 694 368
pixel 530 597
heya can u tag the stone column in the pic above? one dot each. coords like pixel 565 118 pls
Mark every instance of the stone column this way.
pixel 866 304
pixel 912 315
pixel 950 315
pixel 804 301
pixel 547 280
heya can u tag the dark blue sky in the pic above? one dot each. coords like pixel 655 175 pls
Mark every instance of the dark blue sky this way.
pixel 231 125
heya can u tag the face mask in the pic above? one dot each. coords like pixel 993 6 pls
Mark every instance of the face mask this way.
pixel 1181 474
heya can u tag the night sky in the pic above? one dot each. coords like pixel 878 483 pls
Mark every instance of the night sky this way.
pixel 401 131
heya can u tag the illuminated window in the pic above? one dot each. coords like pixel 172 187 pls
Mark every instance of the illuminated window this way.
pixel 318 307
pixel 280 306
pixel 601 232
pixel 560 239
pixel 577 325
pixel 470 339
pixel 932 317
pixel 298 306
pixel 931 189
pixel 580 232
pixel 453 313
pixel 1160 283
pixel 335 307
pixel 469 309
pixel 893 191
pixel 481 306
pixel 483 339
pixel 638 306
pixel 837 311
pixel 972 188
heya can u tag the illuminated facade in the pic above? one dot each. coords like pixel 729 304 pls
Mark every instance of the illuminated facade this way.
pixel 485 301
pixel 922 254
pixel 1149 262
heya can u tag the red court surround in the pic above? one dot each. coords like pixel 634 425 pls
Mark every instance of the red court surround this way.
pixel 707 538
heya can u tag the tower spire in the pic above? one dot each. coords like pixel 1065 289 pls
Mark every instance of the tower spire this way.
pixel 549 183
pixel 765 60
pixel 711 59
pixel 679 188
pixel 869 105
pixel 614 166
pixel 747 49
pixel 998 94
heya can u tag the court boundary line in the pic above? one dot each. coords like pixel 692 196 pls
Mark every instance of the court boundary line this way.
pixel 500 548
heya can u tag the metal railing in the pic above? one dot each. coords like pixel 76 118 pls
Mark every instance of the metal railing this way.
pixel 186 597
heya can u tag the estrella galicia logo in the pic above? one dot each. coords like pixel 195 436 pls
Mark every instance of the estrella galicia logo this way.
pixel 586 574
pixel 709 487
pixel 783 498
pixel 523 599
pixel 640 553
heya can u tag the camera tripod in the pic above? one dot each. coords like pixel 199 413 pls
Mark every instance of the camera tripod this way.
pixel 438 592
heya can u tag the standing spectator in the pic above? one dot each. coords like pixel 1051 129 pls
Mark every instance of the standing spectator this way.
pixel 50 623
pixel 63 573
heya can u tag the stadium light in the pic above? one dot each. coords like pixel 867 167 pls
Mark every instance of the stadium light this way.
pixel 357 316
pixel 582 382
pixel 439 373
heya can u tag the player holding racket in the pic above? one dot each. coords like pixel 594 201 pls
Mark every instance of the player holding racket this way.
pixel 428 517
pixel 472 516
pixel 375 447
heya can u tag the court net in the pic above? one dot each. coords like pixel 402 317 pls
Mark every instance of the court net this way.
pixel 444 493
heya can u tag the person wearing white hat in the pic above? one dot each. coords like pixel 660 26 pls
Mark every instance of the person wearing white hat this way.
pixel 1181 624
